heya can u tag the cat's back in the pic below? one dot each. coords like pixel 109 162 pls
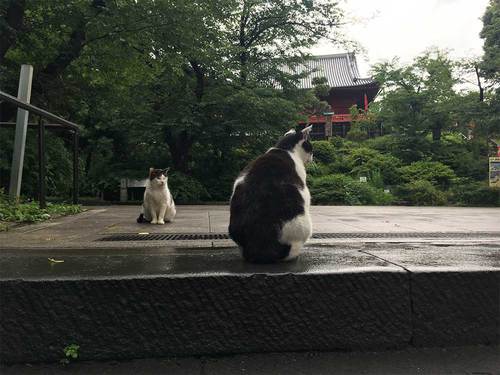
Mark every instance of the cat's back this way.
pixel 268 189
pixel 275 167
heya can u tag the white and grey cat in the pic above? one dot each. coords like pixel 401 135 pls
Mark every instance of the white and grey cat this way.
pixel 158 206
pixel 270 218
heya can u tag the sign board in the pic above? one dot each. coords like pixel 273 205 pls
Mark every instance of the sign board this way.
pixel 494 175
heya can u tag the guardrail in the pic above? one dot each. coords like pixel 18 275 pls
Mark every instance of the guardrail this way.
pixel 58 123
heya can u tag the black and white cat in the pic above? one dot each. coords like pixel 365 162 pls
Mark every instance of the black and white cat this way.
pixel 270 218
pixel 158 206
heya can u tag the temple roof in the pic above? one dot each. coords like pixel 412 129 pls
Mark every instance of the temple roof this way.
pixel 341 70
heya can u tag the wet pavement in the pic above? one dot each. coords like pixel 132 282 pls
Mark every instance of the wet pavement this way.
pixel 472 360
pixel 34 264
pixel 84 230
pixel 24 250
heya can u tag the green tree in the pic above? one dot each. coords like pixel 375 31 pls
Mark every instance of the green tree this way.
pixel 417 98
pixel 267 34
pixel 491 35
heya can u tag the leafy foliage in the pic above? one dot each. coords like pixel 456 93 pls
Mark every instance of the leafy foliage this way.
pixel 199 87
pixel 341 189
pixel 172 83
pixel 491 35
pixel 475 194
pixel 186 189
pixel 71 353
pixel 324 151
pixel 422 193
pixel 30 212
pixel 435 173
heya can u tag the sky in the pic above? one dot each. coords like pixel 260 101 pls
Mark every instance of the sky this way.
pixel 406 28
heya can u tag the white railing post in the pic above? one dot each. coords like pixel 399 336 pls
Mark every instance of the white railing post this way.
pixel 24 94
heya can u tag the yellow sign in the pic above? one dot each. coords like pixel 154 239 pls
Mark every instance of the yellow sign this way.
pixel 495 171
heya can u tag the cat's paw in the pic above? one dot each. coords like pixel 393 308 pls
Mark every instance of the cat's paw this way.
pixel 161 222
pixel 154 221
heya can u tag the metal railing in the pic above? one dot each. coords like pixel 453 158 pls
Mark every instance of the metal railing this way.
pixel 58 123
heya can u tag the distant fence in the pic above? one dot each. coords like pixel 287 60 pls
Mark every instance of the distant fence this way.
pixel 57 123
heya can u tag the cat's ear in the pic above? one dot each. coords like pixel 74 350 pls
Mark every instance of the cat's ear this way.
pixel 151 171
pixel 165 171
pixel 291 131
pixel 306 132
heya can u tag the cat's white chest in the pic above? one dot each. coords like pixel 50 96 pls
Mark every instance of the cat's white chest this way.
pixel 157 195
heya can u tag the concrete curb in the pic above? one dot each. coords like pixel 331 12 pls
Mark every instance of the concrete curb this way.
pixel 359 302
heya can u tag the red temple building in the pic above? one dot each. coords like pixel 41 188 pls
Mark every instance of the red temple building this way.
pixel 347 88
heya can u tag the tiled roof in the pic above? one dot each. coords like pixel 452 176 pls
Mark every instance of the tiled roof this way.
pixel 341 70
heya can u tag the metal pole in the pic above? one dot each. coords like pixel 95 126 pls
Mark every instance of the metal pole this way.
pixel 24 93
pixel 75 168
pixel 41 164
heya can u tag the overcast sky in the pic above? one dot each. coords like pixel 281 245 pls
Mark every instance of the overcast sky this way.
pixel 405 28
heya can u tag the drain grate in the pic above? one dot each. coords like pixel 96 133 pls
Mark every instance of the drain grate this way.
pixel 165 237
pixel 225 236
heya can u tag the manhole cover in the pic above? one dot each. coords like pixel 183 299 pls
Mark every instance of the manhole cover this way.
pixel 225 236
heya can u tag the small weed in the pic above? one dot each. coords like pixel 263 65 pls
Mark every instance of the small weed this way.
pixel 71 353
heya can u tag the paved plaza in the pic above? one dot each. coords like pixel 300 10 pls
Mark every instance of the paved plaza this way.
pixel 85 229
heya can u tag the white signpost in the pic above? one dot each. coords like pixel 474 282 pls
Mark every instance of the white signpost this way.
pixel 24 94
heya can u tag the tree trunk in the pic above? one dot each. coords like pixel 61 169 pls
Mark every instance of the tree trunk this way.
pixel 436 133
pixel 180 147
pixel 243 56
pixel 68 53
pixel 243 67
pixel 200 80
pixel 73 48
pixel 481 89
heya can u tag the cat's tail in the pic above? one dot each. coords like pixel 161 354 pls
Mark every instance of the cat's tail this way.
pixel 141 219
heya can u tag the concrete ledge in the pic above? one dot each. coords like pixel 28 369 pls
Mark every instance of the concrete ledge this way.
pixel 166 302
pixel 455 307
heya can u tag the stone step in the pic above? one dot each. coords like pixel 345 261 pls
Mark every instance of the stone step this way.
pixel 157 302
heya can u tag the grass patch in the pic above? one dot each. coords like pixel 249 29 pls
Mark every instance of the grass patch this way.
pixel 29 212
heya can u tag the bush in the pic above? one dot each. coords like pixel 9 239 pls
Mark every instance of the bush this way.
pixel 363 161
pixel 30 211
pixel 461 155
pixel 421 193
pixel 386 144
pixel 361 155
pixel 58 164
pixel 356 133
pixel 323 151
pixel 341 143
pixel 340 189
pixel 220 189
pixel 475 194
pixel 317 169
pixel 186 189
pixel 412 149
pixel 434 172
